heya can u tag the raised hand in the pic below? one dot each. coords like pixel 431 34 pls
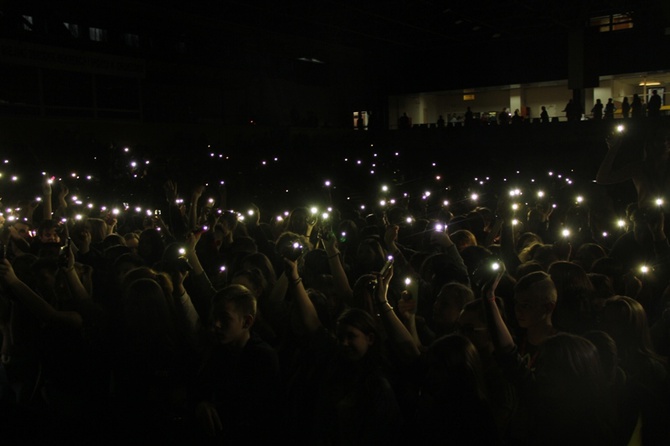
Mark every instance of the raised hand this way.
pixel 170 188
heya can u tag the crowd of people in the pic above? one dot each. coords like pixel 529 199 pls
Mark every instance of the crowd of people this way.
pixel 519 323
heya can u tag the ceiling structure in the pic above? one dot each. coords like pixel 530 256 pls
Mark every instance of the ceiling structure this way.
pixel 442 41
pixel 411 24
pixel 416 44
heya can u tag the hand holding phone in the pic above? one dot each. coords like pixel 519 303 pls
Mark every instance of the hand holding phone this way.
pixel 387 267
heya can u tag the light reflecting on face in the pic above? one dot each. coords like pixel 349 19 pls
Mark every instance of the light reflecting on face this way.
pixel 228 327
pixel 529 311
pixel 50 236
pixel 354 343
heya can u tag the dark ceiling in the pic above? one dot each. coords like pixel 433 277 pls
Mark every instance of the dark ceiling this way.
pixel 417 43
pixel 515 41
pixel 410 25
pixel 377 25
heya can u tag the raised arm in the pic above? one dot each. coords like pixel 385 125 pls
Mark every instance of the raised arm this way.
pixel 77 288
pixel 306 311
pixel 47 206
pixel 508 252
pixel 193 217
pixel 203 290
pixel 501 337
pixel 44 312
pixel 399 336
pixel 341 281
pixel 61 206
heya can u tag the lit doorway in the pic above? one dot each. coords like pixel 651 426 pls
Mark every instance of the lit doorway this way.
pixel 363 123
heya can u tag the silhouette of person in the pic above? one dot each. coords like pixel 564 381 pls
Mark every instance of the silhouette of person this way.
pixel 654 106
pixel 503 117
pixel 360 122
pixel 597 110
pixel 517 118
pixel 625 107
pixel 469 117
pixel 544 116
pixel 572 112
pixel 636 107
pixel 609 109
pixel 404 121
pixel 440 121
